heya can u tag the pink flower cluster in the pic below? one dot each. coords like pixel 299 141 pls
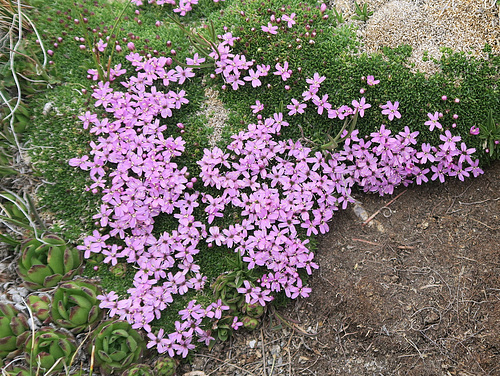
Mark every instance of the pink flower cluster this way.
pixel 183 6
pixel 281 190
pixel 133 164
pixel 382 161
pixel 231 66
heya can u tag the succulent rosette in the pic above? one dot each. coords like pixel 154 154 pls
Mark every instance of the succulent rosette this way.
pixel 75 305
pixel 40 306
pixel 165 366
pixel 50 348
pixel 138 370
pixel 14 330
pixel 116 346
pixel 43 264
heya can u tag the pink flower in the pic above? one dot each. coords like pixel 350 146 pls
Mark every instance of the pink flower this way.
pixel 270 28
pixel 474 130
pixel 433 122
pixel 289 19
pixel 257 107
pixel 101 46
pixel 296 107
pixel 361 106
pixel 370 80
pixel 391 110
pixel 284 72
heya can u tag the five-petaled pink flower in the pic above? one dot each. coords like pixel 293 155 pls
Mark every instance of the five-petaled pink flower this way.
pixel 289 19
pixel 371 81
pixel 433 122
pixel 361 106
pixel 391 110
pixel 296 107
pixel 270 28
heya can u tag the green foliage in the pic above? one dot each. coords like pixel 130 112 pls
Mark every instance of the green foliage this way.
pixel 250 323
pixel 40 306
pixel 226 285
pixel 75 305
pixel 19 214
pixel 490 134
pixel 165 366
pixel 138 370
pixel 44 263
pixel 49 349
pixel 14 330
pixel 116 346
pixel 362 12
pixel 14 370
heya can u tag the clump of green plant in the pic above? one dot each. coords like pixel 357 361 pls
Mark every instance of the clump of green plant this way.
pixel 362 12
pixel 75 305
pixel 489 132
pixel 14 370
pixel 165 366
pixel 116 346
pixel 14 330
pixel 44 263
pixel 40 306
pixel 19 215
pixel 50 349
pixel 138 370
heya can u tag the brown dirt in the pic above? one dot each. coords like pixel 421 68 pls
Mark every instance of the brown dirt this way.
pixel 420 297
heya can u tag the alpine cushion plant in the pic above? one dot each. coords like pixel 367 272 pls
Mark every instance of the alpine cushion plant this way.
pixel 282 190
pixel 260 198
